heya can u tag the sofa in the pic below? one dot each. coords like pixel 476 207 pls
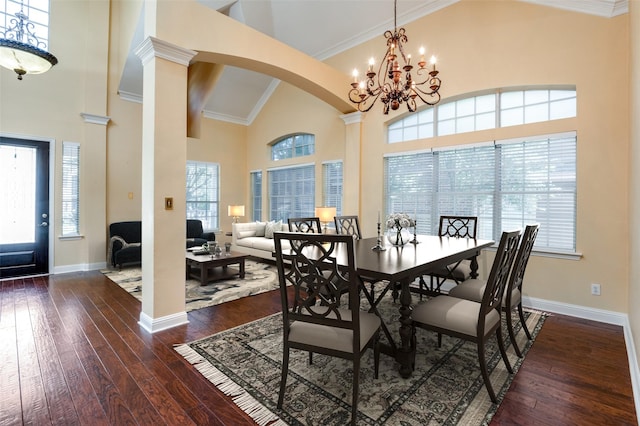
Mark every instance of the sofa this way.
pixel 256 238
pixel 125 241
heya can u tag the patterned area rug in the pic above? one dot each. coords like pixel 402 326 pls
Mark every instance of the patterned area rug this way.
pixel 445 389
pixel 259 277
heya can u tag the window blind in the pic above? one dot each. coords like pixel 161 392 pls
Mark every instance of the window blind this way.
pixel 256 196
pixel 291 192
pixel 507 185
pixel 332 185
pixel 70 189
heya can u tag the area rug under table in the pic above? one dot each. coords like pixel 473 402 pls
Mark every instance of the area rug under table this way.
pixel 259 277
pixel 445 388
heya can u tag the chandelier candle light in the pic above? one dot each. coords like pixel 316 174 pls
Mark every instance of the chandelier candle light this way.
pixel 20 49
pixel 389 85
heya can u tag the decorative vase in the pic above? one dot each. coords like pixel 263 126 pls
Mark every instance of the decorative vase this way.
pixel 398 237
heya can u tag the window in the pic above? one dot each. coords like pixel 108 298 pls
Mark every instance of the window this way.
pixel 70 189
pixel 36 10
pixel 486 111
pixel 292 146
pixel 332 185
pixel 291 192
pixel 506 184
pixel 256 196
pixel 203 192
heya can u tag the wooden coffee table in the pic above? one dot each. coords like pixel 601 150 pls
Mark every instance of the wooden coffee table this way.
pixel 207 268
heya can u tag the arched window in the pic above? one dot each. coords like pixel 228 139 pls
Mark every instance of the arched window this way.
pixel 297 145
pixel 474 112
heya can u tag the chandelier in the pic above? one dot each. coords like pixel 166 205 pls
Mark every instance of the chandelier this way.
pixel 20 49
pixel 390 86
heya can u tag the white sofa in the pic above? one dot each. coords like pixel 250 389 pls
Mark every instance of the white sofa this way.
pixel 256 238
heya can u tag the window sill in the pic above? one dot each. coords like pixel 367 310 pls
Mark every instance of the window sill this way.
pixel 70 237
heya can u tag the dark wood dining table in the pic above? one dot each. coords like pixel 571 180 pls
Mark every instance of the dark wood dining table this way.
pixel 401 266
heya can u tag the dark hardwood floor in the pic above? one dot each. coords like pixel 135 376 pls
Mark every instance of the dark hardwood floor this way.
pixel 72 352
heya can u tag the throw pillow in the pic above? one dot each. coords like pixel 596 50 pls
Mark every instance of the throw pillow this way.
pixel 272 227
pixel 260 228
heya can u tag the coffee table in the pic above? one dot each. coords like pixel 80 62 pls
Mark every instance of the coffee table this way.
pixel 207 268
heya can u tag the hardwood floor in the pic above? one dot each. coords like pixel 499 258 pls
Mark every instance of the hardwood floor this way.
pixel 72 352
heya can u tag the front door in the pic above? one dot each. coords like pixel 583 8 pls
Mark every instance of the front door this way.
pixel 24 207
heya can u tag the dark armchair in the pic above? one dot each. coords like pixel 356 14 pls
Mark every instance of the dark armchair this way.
pixel 196 235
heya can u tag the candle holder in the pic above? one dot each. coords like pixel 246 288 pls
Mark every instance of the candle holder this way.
pixel 379 246
pixel 415 238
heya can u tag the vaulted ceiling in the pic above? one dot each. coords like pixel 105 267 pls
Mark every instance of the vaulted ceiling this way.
pixel 240 94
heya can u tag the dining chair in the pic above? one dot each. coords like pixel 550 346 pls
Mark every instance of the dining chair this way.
pixel 305 224
pixel 470 320
pixel 452 227
pixel 348 225
pixel 473 289
pixel 313 319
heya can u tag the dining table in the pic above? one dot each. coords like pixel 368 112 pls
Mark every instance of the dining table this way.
pixel 399 266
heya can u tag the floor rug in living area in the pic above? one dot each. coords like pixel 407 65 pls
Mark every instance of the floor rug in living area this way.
pixel 445 388
pixel 259 277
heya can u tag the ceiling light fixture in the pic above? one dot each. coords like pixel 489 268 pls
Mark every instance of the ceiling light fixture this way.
pixel 20 49
pixel 390 86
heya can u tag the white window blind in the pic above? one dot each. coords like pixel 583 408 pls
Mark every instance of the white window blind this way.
pixel 506 185
pixel 256 196
pixel 291 192
pixel 203 193
pixel 332 185
pixel 70 189
pixel 408 183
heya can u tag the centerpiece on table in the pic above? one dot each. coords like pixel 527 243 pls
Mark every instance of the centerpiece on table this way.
pixel 397 228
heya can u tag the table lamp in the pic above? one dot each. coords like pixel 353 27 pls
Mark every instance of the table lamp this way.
pixel 326 215
pixel 235 212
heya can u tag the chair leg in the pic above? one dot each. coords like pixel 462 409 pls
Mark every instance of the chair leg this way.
pixel 485 374
pixel 439 340
pixel 356 383
pixel 512 335
pixel 310 358
pixel 376 355
pixel 523 322
pixel 502 350
pixel 283 379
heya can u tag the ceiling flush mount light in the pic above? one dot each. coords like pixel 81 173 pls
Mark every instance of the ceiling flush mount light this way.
pixel 390 86
pixel 20 49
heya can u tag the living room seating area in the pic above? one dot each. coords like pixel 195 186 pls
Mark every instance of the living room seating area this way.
pixel 125 241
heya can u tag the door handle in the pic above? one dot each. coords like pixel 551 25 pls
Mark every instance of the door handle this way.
pixel 43 224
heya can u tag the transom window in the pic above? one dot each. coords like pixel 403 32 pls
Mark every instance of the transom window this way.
pixel 203 193
pixel 36 10
pixel 297 145
pixel 506 184
pixel 485 111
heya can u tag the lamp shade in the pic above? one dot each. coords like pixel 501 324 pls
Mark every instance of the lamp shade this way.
pixel 235 211
pixel 325 214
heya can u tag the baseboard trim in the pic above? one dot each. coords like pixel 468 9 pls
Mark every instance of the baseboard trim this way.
pixel 153 325
pixel 600 315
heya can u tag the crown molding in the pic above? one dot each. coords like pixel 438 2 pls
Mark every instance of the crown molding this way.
pixel 353 117
pixel 604 8
pixel 152 47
